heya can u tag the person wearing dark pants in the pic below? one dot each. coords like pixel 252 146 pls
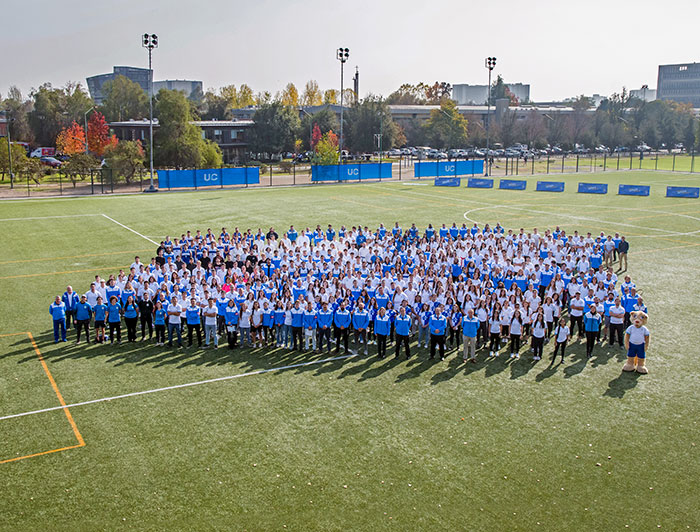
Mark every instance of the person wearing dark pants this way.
pixel 438 328
pixel 402 325
pixel 194 323
pixel 131 316
pixel 561 337
pixel 539 330
pixel 617 318
pixel 577 310
pixel 174 322
pixel 297 326
pixel 57 309
pixel 592 325
pixel 146 316
pixel 325 322
pixel 382 327
pixel 83 313
pixel 159 318
pixel 360 324
pixel 70 299
pixel 231 319
pixel 341 320
pixel 114 318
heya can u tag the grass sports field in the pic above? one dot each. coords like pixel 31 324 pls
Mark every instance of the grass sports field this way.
pixel 356 443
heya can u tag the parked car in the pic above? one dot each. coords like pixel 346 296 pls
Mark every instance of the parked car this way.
pixel 50 161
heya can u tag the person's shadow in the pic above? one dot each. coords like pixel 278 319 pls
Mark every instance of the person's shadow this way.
pixel 620 385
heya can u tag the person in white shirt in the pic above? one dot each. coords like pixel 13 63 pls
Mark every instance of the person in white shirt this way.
pixel 174 322
pixel 561 337
pixel 617 318
pixel 210 313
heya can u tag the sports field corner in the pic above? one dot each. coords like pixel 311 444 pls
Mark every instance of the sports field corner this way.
pixel 145 438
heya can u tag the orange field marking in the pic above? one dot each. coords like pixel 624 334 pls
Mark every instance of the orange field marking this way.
pixel 76 432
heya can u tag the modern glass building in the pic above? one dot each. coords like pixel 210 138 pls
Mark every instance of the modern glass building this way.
pixel 142 76
pixel 680 83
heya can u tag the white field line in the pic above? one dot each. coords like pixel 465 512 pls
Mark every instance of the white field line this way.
pixel 177 386
pixel 45 217
pixel 130 229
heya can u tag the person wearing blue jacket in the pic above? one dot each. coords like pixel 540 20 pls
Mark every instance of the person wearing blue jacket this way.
pixel 114 318
pixel 83 313
pixel 324 322
pixel 438 328
pixel 194 322
pixel 341 320
pixel 360 323
pixel 309 321
pixel 278 320
pixel 402 324
pixel 297 325
pixel 57 309
pixel 382 327
pixel 591 323
pixel 231 321
pixel 100 313
pixel 70 299
pixel 470 326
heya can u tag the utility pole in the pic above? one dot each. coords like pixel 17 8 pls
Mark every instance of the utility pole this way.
pixel 150 42
pixel 343 54
pixel 490 63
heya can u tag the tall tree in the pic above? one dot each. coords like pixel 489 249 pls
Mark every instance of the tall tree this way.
pixel 367 119
pixel 437 92
pixel 290 96
pixel 71 140
pixel 215 106
pixel 98 134
pixel 125 159
pixel 312 94
pixel 275 128
pixel 446 127
pixel 325 119
pixel 17 113
pixel 178 142
pixel 408 94
pixel 123 100
pixel 56 108
pixel 245 97
pixel 331 97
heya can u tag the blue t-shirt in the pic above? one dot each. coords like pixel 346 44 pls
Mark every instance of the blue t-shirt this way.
pixel 100 312
pixel 114 312
pixel 83 311
pixel 160 315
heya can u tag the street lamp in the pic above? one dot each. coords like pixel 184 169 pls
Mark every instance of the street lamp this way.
pixel 86 128
pixel 644 93
pixel 343 54
pixel 150 42
pixel 489 63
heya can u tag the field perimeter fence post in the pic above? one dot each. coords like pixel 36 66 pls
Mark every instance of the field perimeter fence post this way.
pixel 221 177
pixel 28 190
pixel 618 160
pixel 656 161
pixel 605 162
pixel 60 182
pixel 692 160
pixel 270 174
pixel 92 181
pixel 673 169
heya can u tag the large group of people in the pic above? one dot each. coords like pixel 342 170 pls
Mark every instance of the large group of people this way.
pixel 450 288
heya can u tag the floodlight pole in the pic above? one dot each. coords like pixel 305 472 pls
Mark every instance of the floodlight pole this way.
pixel 150 42
pixel 342 54
pixel 489 63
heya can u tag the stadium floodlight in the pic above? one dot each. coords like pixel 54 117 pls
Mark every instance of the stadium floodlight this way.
pixel 150 41
pixel 342 54
pixel 490 64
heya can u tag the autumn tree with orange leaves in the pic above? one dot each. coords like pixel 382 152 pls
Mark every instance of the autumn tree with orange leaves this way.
pixel 71 140
pixel 99 138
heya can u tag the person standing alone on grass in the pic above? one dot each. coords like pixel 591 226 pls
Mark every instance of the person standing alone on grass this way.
pixel 57 309
pixel 622 250
pixel 83 313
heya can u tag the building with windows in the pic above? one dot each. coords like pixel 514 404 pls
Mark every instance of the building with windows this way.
pixel 230 135
pixel 680 83
pixel 142 76
pixel 465 94
pixel 187 86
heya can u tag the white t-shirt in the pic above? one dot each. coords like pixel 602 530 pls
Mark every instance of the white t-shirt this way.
pixel 515 327
pixel 617 315
pixel 176 319
pixel 577 306
pixel 562 333
pixel 637 334
pixel 538 329
pixel 210 320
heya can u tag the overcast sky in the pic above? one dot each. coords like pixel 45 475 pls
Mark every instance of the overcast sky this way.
pixel 561 48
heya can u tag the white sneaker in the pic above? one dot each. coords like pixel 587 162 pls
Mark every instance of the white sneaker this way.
pixel 517 356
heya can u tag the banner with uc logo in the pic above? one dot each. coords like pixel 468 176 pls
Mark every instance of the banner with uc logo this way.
pixel 212 177
pixel 633 190
pixel 351 172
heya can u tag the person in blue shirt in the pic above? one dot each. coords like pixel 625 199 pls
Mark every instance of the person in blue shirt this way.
pixel 438 328
pixel 194 322
pixel 591 322
pixel 57 309
pixel 159 317
pixel 382 326
pixel 131 315
pixel 114 318
pixel 324 322
pixel 231 321
pixel 402 324
pixel 424 325
pixel 470 326
pixel 70 299
pixel 309 321
pixel 297 325
pixel 83 313
pixel 292 234
pixel 360 323
pixel 100 313
pixel 341 320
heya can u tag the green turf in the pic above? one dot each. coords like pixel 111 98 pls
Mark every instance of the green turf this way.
pixel 357 444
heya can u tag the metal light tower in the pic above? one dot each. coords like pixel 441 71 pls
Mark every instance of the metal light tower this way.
pixel 150 42
pixel 343 54
pixel 489 63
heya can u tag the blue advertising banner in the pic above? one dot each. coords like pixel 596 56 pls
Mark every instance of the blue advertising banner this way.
pixel 213 177
pixel 448 181
pixel 593 188
pixel 550 186
pixel 633 190
pixel 682 192
pixel 448 168
pixel 513 184
pixel 351 172
pixel 480 182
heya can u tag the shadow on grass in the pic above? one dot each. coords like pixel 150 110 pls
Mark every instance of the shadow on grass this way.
pixel 619 386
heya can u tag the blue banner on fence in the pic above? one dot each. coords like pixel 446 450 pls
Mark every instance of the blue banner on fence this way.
pixel 550 186
pixel 448 168
pixel 682 192
pixel 633 190
pixel 448 181
pixel 593 188
pixel 513 184
pixel 480 182
pixel 213 177
pixel 350 172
